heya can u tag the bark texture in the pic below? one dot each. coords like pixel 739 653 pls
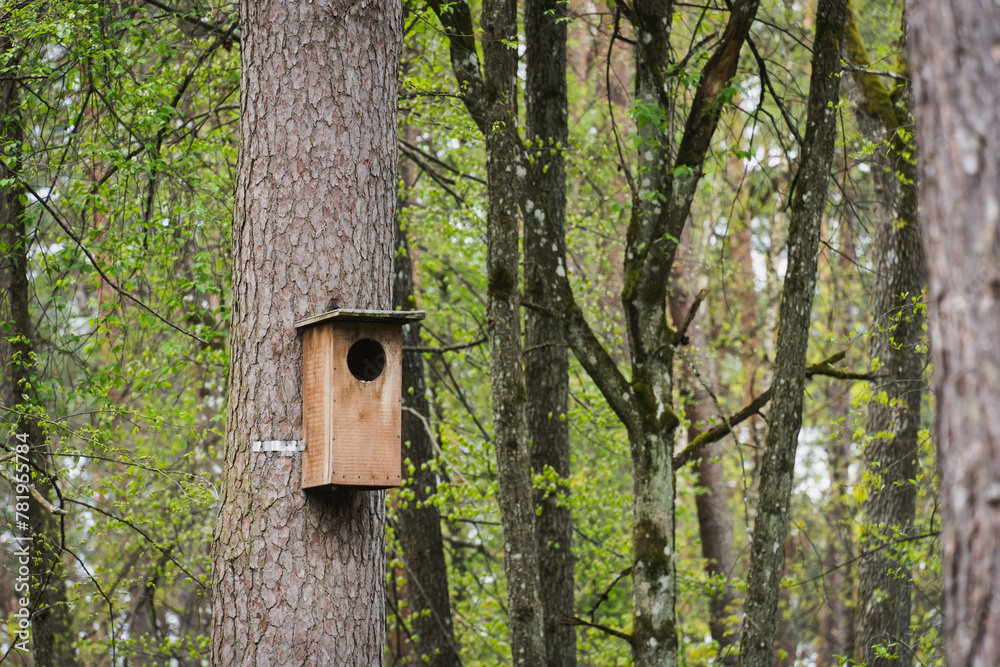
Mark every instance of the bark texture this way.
pixel 51 632
pixel 785 418
pixel 505 171
pixel 298 579
pixel 546 359
pixel 419 522
pixel 953 46
pixel 895 331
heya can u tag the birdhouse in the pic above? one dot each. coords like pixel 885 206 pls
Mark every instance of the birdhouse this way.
pixel 352 375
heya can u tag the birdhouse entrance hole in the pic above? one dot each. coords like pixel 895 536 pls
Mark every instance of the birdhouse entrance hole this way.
pixel 366 360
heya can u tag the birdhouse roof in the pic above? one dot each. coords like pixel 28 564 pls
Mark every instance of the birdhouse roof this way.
pixel 357 315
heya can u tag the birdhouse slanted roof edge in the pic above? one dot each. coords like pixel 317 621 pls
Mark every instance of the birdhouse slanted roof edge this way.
pixel 360 315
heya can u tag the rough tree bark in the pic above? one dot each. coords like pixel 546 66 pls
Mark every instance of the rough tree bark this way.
pixel 505 170
pixel 895 328
pixel 419 522
pixel 785 417
pixel 51 631
pixel 953 46
pixel 299 578
pixel 546 359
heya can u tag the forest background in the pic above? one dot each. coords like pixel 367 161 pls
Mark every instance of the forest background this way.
pixel 119 145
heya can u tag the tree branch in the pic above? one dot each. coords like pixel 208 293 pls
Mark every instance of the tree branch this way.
pixel 42 500
pixel 720 431
pixel 97 267
pixel 603 628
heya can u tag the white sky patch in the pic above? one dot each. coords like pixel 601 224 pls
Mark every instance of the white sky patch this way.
pixel 812 474
pixel 754 163
pixel 774 156
pixel 44 192
pixel 751 92
pixel 759 265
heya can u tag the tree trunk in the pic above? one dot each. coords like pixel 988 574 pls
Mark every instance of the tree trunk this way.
pixel 299 578
pixel 785 417
pixel 957 103
pixel 895 332
pixel 51 633
pixel 712 502
pixel 712 506
pixel 505 169
pixel 546 358
pixel 419 522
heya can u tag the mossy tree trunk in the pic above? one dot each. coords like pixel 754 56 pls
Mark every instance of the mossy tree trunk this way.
pixel 51 621
pixel 895 334
pixel 546 359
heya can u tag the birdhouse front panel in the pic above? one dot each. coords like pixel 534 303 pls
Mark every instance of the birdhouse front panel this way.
pixel 352 380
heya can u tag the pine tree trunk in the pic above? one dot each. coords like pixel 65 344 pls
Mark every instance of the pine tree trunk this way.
pixel 957 107
pixel 546 358
pixel 419 522
pixel 51 635
pixel 785 417
pixel 299 577
pixel 895 332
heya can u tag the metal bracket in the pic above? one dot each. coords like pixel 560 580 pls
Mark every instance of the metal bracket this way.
pixel 279 445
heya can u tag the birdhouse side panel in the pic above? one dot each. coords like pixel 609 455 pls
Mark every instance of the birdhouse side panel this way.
pixel 317 404
pixel 366 412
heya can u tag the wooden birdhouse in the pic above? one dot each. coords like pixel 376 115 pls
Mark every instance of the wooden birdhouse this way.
pixel 352 375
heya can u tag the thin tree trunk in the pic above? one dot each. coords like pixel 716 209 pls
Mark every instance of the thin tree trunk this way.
pixel 895 332
pixel 299 578
pixel 505 170
pixel 51 629
pixel 711 503
pixel 546 357
pixel 957 103
pixel 712 506
pixel 785 417
pixel 419 525
pixel 836 617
